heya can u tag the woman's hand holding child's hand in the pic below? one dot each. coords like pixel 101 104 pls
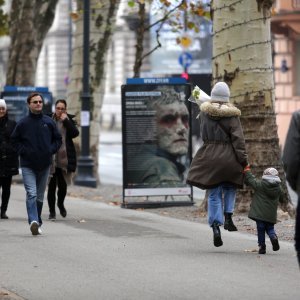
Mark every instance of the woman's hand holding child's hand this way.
pixel 247 168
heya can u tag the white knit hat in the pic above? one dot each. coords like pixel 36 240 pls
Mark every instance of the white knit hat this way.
pixel 271 171
pixel 220 92
pixel 271 175
pixel 2 103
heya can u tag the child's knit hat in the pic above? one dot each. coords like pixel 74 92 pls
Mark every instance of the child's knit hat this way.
pixel 271 175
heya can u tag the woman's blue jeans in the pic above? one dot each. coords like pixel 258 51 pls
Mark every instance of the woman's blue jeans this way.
pixel 215 202
pixel 262 228
pixel 35 183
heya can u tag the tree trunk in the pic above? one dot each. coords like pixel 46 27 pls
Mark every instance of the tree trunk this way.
pixel 102 21
pixel 242 58
pixel 140 33
pixel 29 24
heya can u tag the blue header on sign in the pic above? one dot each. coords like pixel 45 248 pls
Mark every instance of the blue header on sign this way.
pixel 169 80
pixel 39 89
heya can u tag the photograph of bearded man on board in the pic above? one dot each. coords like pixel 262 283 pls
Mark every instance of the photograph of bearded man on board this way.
pixel 158 142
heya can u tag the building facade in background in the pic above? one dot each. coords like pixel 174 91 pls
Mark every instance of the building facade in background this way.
pixel 285 26
pixel 55 59
pixel 170 60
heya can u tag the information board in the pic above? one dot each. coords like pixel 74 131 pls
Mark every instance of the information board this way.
pixel 16 100
pixel 156 139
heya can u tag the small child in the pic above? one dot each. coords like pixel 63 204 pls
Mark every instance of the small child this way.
pixel 263 210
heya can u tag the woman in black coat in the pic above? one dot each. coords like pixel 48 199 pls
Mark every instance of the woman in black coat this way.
pixel 64 163
pixel 9 163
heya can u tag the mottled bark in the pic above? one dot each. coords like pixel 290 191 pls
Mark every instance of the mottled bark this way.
pixel 140 24
pixel 102 21
pixel 30 21
pixel 242 58
pixel 140 33
pixel 3 20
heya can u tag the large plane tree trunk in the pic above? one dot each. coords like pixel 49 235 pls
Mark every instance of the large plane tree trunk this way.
pixel 242 58
pixel 29 24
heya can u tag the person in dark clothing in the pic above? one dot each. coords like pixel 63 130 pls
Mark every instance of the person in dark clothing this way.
pixel 36 139
pixel 9 163
pixel 267 194
pixel 291 163
pixel 65 162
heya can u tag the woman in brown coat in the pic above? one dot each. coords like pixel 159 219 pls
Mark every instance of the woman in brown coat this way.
pixel 218 164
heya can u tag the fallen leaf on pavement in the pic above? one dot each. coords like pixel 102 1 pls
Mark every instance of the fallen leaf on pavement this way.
pixel 114 203
pixel 4 293
pixel 97 198
pixel 76 194
pixel 250 250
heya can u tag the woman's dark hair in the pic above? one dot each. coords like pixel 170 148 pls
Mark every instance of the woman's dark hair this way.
pixel 63 101
pixel 31 95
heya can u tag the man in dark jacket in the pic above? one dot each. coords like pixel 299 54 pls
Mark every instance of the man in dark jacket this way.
pixel 291 162
pixel 9 163
pixel 36 139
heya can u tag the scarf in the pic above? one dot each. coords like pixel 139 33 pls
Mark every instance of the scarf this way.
pixel 60 158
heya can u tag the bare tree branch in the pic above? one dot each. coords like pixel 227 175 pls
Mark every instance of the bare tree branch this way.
pixel 141 31
pixel 165 17
pixel 157 40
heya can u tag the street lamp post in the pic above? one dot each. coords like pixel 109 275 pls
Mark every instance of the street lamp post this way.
pixel 85 175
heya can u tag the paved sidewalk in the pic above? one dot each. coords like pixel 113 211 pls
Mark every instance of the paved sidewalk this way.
pixel 103 252
pixel 112 195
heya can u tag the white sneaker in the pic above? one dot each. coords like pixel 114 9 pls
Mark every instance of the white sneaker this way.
pixel 34 228
pixel 40 230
